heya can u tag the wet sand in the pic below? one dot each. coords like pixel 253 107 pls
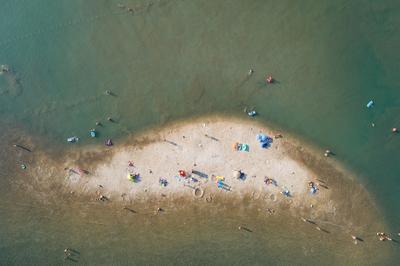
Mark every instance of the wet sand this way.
pixel 340 208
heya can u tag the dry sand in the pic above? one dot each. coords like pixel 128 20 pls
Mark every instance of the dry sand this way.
pixel 204 145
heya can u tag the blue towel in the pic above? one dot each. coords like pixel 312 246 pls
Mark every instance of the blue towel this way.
pixel 261 137
pixel 264 140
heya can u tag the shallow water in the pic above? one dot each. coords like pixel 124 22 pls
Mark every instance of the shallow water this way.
pixel 199 234
pixel 176 59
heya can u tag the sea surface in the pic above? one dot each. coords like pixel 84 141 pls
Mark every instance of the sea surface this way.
pixel 175 59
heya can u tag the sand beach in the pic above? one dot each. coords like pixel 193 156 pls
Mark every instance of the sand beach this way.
pixel 205 152
pixel 305 189
pixel 284 175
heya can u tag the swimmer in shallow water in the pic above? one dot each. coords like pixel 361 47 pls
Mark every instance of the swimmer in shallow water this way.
pixel 4 69
pixel 383 236
pixel 67 253
pixel 159 210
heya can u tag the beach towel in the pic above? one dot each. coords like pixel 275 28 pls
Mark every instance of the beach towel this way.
pixel 244 147
pixel 220 178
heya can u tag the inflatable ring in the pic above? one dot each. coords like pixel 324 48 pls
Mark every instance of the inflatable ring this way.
pixel 254 194
pixel 271 197
pixel 198 190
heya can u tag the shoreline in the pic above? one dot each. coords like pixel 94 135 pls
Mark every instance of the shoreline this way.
pixel 342 209
pixel 289 161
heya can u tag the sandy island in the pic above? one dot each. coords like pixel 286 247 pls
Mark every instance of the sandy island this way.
pixel 205 152
pixel 96 175
pixel 203 149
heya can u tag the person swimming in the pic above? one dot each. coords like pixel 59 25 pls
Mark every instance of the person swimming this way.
pixel 67 253
pixel 355 239
pixel 4 69
pixel 383 236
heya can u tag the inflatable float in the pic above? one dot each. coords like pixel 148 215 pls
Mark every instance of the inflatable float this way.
pixel 370 104
pixel 73 139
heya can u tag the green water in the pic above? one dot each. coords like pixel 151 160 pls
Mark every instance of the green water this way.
pixel 176 59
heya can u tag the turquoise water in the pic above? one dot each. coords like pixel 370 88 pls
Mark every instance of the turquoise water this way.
pixel 175 59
